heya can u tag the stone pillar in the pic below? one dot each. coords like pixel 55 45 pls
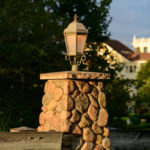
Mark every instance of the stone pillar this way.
pixel 75 102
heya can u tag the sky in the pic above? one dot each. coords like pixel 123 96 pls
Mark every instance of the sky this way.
pixel 129 17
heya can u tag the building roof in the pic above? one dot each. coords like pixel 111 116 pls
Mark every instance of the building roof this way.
pixel 120 48
pixel 127 52
pixel 139 56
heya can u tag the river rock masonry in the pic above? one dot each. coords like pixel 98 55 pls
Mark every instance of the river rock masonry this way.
pixel 75 102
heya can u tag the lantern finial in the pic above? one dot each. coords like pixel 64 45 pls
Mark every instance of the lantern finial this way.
pixel 75 18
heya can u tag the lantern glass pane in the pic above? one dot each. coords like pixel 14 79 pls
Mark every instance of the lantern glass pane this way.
pixel 71 44
pixel 81 39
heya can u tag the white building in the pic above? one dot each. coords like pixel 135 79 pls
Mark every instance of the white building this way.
pixel 133 60
pixel 141 45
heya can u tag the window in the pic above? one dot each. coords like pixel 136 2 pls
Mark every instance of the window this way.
pixel 138 49
pixel 145 50
pixel 131 69
pixel 134 68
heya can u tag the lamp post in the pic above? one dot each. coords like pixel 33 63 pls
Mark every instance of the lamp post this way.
pixel 75 38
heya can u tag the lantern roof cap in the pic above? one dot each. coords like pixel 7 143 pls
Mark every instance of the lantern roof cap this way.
pixel 76 27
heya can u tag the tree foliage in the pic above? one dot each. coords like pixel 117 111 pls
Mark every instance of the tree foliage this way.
pixel 118 95
pixel 143 74
pixel 100 59
pixel 143 88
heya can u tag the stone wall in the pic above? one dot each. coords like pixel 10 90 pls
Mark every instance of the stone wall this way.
pixel 78 107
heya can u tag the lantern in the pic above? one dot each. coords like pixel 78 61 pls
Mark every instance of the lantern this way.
pixel 75 38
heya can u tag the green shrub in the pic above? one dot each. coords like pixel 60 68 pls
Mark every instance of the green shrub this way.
pixel 135 120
